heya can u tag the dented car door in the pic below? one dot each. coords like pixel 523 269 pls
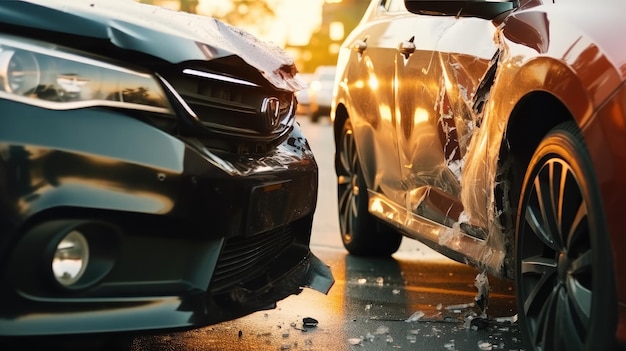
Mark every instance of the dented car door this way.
pixel 438 107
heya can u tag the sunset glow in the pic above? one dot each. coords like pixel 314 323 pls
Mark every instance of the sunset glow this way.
pixel 293 24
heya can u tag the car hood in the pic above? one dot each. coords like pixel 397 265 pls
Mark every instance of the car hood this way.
pixel 169 35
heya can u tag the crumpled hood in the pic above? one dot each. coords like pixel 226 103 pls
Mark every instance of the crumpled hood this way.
pixel 172 36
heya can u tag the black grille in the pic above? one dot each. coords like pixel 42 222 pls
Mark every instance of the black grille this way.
pixel 230 108
pixel 243 258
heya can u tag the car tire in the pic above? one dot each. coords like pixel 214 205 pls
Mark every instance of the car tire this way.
pixel 361 233
pixel 565 286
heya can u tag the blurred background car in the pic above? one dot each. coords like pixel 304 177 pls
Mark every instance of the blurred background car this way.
pixel 302 95
pixel 152 176
pixel 494 132
pixel 320 92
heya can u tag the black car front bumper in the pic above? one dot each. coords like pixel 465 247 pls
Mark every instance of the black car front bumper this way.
pixel 182 236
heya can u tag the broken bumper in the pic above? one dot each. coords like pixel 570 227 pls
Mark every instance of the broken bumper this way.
pixel 179 236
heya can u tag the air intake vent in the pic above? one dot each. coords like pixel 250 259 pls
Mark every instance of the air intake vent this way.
pixel 243 258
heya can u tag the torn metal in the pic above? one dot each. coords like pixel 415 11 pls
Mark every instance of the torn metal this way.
pixel 442 193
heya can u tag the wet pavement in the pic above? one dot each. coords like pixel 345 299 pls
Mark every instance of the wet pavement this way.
pixel 376 304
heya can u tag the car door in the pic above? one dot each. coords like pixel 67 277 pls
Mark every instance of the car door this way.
pixel 440 64
pixel 370 74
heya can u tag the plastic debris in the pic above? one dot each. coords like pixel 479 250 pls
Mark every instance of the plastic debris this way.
pixel 481 282
pixel 370 337
pixel 395 291
pixel 436 332
pixel 361 281
pixel 309 322
pixel 380 281
pixel 484 345
pixel 512 319
pixel 389 339
pixel 383 329
pixel 355 341
pixel 468 321
pixel 479 323
pixel 460 306
pixel 415 316
pixel 368 307
pixel 450 345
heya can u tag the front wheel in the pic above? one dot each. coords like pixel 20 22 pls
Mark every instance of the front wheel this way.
pixel 361 233
pixel 564 277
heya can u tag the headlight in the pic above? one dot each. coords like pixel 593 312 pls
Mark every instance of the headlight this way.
pixel 53 77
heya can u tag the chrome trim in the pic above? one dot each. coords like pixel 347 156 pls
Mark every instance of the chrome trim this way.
pixel 270 109
pixel 219 77
pixel 74 105
pixel 177 96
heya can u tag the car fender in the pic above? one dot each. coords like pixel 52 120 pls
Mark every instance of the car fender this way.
pixel 87 163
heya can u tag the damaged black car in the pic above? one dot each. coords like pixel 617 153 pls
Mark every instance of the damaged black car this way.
pixel 152 175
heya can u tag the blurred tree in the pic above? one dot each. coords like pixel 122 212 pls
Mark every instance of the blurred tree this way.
pixel 189 6
pixel 250 14
pixel 324 43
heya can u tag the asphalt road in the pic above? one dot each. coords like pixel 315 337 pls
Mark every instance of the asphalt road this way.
pixel 416 300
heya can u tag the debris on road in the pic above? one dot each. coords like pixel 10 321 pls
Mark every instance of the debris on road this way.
pixel 512 319
pixel 485 345
pixel 383 329
pixel 479 323
pixel 415 316
pixel 355 341
pixel 309 322
pixel 481 282
pixel 460 306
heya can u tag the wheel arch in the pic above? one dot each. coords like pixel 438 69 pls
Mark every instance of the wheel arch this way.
pixel 531 119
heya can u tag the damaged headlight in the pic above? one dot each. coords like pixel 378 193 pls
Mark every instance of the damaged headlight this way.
pixel 53 77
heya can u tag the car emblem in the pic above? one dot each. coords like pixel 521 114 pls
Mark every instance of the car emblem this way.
pixel 270 109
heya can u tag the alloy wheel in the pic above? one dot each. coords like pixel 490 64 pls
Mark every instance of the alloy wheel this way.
pixel 563 264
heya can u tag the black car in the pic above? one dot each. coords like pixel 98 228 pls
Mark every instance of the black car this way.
pixel 151 173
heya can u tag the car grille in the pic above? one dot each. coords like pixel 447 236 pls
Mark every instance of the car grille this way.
pixel 233 115
pixel 236 110
pixel 243 258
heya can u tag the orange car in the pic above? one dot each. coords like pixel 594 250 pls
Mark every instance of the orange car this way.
pixel 495 133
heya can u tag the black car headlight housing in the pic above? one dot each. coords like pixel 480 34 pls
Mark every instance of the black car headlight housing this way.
pixel 225 111
pixel 53 77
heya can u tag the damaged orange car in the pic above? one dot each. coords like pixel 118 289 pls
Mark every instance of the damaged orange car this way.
pixel 495 133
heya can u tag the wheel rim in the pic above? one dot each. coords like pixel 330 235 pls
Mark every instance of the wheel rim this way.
pixel 555 259
pixel 348 187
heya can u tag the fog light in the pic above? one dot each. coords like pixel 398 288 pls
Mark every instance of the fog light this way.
pixel 70 258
